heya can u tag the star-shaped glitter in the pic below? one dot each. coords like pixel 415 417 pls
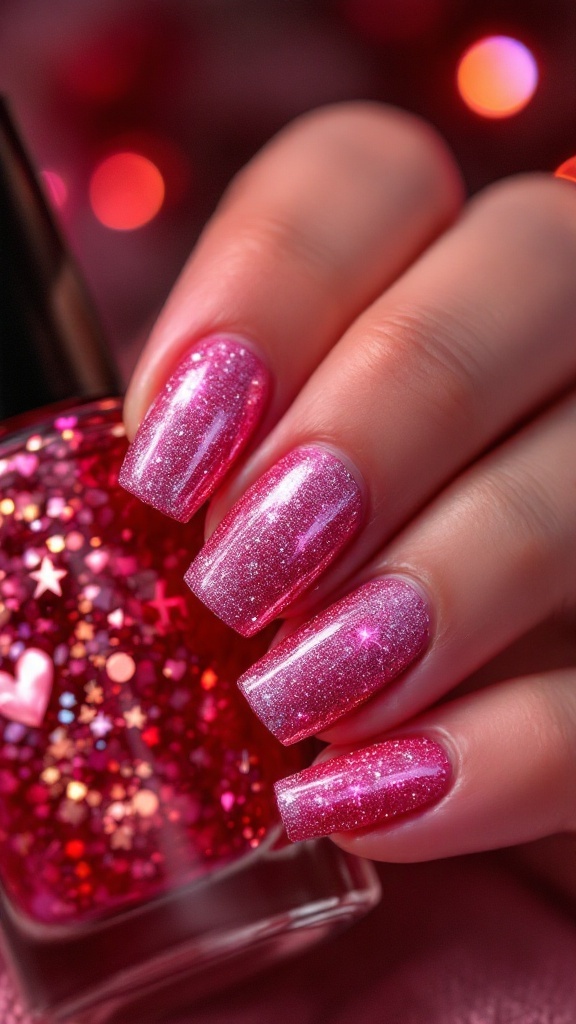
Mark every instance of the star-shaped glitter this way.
pixel 164 604
pixel 135 718
pixel 61 749
pixel 94 693
pixel 100 725
pixel 48 578
pixel 121 839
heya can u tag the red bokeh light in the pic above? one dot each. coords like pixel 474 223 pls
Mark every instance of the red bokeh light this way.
pixel 126 191
pixel 567 170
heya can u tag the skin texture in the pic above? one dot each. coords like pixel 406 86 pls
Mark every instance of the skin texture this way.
pixel 431 345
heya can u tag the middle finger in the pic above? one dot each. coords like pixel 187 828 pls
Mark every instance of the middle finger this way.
pixel 473 337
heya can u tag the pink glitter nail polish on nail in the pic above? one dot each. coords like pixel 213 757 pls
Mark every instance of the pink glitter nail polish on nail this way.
pixel 371 786
pixel 196 427
pixel 339 659
pixel 277 539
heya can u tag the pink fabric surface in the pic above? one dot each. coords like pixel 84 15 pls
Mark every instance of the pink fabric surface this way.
pixel 453 942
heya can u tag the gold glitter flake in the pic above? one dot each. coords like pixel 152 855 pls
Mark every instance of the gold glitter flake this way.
pixel 56 544
pixel 145 803
pixel 135 718
pixel 76 790
pixel 94 693
pixel 84 630
pixel 61 749
pixel 121 839
pixel 50 775
pixel 30 513
pixel 86 714
pixel 7 506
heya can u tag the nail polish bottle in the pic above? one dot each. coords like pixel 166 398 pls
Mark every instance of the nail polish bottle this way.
pixel 142 860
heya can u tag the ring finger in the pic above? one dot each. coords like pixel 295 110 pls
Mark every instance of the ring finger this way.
pixel 494 555
pixel 449 358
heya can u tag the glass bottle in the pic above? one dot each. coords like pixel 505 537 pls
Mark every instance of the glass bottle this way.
pixel 142 862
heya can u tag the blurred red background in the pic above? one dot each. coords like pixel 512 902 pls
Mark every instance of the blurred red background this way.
pixel 195 87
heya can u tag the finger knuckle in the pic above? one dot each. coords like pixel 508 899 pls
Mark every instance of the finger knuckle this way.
pixel 432 358
pixel 545 722
pixel 524 517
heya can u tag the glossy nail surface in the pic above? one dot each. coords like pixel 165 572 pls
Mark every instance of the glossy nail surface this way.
pixel 196 427
pixel 339 659
pixel 369 786
pixel 277 539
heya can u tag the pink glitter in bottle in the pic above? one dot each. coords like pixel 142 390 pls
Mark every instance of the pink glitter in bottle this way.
pixel 140 844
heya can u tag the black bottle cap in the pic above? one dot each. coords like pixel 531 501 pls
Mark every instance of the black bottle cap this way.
pixel 51 345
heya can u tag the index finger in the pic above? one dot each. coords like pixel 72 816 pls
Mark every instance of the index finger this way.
pixel 316 226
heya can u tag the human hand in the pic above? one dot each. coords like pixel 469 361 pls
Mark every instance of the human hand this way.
pixel 405 370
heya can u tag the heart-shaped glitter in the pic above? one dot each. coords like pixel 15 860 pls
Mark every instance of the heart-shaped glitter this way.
pixel 24 698
pixel 26 464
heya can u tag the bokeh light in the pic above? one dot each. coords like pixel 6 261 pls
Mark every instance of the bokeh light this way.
pixel 55 187
pixel 567 170
pixel 126 191
pixel 497 76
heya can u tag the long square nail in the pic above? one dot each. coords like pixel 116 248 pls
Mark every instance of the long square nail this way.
pixel 339 659
pixel 376 784
pixel 196 427
pixel 278 538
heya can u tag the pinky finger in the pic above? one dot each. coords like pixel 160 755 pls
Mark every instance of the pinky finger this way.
pixel 492 769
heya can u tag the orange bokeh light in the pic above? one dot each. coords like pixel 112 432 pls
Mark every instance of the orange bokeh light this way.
pixel 126 191
pixel 567 170
pixel 497 76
